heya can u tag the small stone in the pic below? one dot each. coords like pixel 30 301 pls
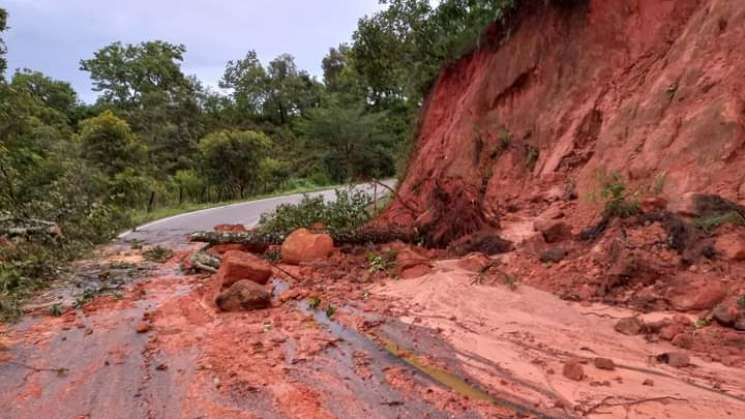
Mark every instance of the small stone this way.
pixel 573 370
pixel 683 340
pixel 554 255
pixel 161 367
pixel 605 364
pixel 648 382
pixel 143 327
pixel 629 326
pixel 727 313
pixel 674 359
pixel 740 324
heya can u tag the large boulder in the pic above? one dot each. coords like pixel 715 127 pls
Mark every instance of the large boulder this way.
pixel 244 296
pixel 304 246
pixel 237 266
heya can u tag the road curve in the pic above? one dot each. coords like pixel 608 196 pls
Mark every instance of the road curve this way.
pixel 173 229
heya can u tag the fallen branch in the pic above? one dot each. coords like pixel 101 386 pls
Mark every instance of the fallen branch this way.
pixel 257 239
pixel 205 262
pixel 20 227
pixel 251 238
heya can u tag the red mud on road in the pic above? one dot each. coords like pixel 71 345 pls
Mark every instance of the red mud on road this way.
pixel 164 351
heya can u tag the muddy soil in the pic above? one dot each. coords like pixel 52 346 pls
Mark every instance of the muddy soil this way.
pixel 340 342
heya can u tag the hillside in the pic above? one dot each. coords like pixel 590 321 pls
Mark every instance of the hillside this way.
pixel 652 90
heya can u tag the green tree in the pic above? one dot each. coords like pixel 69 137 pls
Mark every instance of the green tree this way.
pixel 351 141
pixel 273 173
pixel 248 81
pixel 231 158
pixel 108 143
pixel 189 185
pixel 144 84
pixel 3 49
pixel 277 93
pixel 124 73
pixel 53 94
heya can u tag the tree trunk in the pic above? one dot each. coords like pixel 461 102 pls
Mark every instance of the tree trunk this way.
pixel 260 239
pixel 151 202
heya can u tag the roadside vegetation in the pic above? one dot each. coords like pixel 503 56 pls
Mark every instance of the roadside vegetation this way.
pixel 158 139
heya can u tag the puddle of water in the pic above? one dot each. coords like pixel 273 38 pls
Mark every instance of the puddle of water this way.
pixel 443 377
pixel 379 345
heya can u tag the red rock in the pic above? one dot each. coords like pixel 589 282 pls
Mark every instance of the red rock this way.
pixel 683 340
pixel 553 230
pixel 648 382
pixel 143 327
pixel 670 331
pixel 231 228
pixel 244 296
pixel 573 370
pixel 604 364
pixel 728 312
pixel 731 246
pixel 237 266
pixel 629 326
pixel 475 262
pixel 691 291
pixel 305 246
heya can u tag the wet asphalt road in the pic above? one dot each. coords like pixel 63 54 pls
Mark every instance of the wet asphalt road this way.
pixel 174 229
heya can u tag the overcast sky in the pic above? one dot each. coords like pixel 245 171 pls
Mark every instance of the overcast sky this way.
pixel 52 36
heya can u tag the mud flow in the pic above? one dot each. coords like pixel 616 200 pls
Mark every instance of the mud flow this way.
pixel 380 348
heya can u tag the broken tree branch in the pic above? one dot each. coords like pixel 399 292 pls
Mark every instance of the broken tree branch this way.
pixel 259 239
pixel 20 227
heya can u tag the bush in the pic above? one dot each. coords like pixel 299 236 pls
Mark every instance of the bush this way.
pixel 617 202
pixel 348 212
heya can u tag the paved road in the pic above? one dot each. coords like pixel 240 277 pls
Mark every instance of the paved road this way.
pixel 173 229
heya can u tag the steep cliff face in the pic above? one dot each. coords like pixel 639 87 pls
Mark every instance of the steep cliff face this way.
pixel 653 90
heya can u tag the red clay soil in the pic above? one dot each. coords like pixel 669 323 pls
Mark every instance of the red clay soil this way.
pixel 650 89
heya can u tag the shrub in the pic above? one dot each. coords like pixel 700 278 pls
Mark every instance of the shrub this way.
pixel 617 202
pixel 381 263
pixel 347 212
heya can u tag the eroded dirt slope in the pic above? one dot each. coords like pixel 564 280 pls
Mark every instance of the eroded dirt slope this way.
pixel 651 89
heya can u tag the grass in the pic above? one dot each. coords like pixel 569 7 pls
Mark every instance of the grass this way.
pixel 381 263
